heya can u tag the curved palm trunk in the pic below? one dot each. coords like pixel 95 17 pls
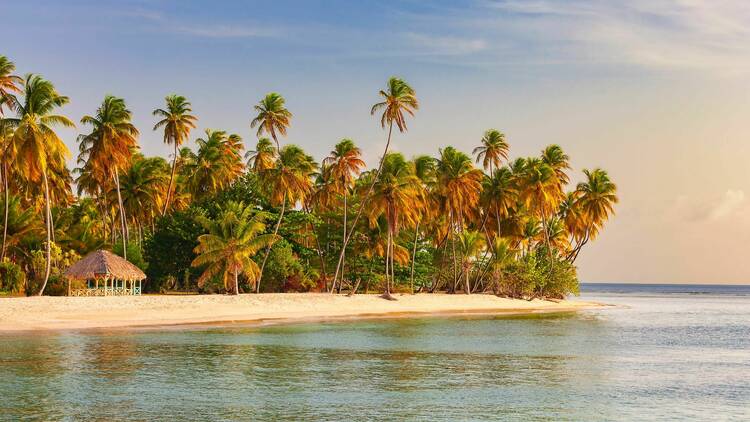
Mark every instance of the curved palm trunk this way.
pixel 5 218
pixel 364 202
pixel 468 286
pixel 388 266
pixel 335 286
pixel 414 255
pixel 123 224
pixel 171 180
pixel 268 249
pixel 49 234
pixel 319 249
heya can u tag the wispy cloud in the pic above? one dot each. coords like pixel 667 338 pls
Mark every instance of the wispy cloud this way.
pixel 224 31
pixel 731 204
pixel 652 33
pixel 445 45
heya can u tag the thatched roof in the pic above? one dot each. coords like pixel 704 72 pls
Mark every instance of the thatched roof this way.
pixel 103 263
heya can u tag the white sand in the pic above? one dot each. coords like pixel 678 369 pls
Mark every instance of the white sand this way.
pixel 60 313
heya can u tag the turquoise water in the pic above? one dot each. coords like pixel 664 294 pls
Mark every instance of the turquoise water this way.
pixel 661 356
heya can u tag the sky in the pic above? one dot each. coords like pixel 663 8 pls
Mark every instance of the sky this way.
pixel 655 92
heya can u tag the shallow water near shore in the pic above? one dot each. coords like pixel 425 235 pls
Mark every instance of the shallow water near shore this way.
pixel 664 354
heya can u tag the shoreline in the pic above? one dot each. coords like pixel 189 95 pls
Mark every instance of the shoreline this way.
pixel 35 314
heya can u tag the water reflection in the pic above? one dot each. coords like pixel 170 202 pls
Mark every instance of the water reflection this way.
pixel 608 365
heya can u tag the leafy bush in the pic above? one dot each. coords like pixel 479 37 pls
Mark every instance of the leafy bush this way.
pixel 12 277
pixel 282 266
pixel 135 256
pixel 169 250
pixel 534 275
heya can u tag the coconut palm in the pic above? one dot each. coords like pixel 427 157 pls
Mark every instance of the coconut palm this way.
pixel 494 148
pixel 143 189
pixel 541 193
pixel 459 185
pixel 470 243
pixel 232 241
pixel 499 194
pixel 6 135
pixel 21 223
pixel 344 163
pixel 177 123
pixel 289 182
pixel 554 157
pixel 109 147
pixel 216 165
pixel 424 169
pixel 502 256
pixel 36 144
pixel 272 118
pixel 399 98
pixel 397 195
pixel 597 197
pixel 263 157
pixel 9 83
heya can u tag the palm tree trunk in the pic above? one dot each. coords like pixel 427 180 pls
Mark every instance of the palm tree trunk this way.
pixel 414 255
pixel 388 266
pixel 268 249
pixel 5 218
pixel 319 249
pixel 236 283
pixel 468 287
pixel 343 259
pixel 453 246
pixel 49 235
pixel 171 180
pixel 123 225
pixel 364 201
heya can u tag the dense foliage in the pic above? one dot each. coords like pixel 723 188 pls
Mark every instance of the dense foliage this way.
pixel 209 221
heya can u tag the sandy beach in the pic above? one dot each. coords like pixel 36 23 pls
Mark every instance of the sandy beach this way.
pixel 63 313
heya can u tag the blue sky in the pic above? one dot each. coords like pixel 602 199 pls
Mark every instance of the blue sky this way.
pixel 653 91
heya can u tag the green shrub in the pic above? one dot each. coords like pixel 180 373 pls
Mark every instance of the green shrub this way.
pixel 12 277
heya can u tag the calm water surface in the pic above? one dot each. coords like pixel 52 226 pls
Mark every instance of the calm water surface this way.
pixel 666 354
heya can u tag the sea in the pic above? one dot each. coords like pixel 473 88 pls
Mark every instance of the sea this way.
pixel 659 353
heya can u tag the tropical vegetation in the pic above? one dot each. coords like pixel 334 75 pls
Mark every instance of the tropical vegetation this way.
pixel 214 218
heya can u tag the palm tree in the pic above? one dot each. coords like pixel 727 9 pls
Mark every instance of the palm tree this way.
pixel 8 82
pixel 494 148
pixel 109 148
pixel 470 243
pixel 142 186
pixel 459 186
pixel 499 194
pixel 424 169
pixel 344 163
pixel 272 118
pixel 554 157
pixel 6 135
pixel 398 99
pixel 541 193
pixel 597 197
pixel 21 223
pixel 263 157
pixel 290 181
pixel 177 123
pixel 397 196
pixel 217 164
pixel 232 241
pixel 502 256
pixel 36 144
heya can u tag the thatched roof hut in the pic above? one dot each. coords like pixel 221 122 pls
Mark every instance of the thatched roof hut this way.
pixel 103 264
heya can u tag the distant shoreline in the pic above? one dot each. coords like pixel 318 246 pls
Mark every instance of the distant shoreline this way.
pixel 167 311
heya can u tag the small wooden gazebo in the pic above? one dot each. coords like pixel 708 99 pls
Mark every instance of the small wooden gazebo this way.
pixel 119 276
